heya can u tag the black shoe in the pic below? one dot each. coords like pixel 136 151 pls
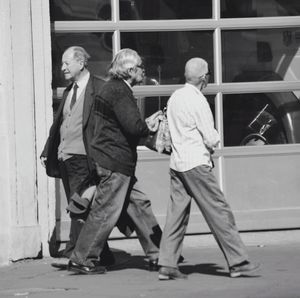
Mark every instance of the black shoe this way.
pixel 60 266
pixel 153 265
pixel 81 269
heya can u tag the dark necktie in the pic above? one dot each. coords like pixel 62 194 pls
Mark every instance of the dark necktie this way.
pixel 73 99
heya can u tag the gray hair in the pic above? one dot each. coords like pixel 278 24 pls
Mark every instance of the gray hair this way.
pixel 122 62
pixel 80 54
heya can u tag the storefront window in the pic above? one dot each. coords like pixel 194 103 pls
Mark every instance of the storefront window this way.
pixel 72 10
pixel 165 53
pixel 261 119
pixel 165 9
pixel 98 45
pixel 261 55
pixel 150 105
pixel 259 8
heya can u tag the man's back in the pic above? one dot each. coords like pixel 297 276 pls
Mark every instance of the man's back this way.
pixel 118 128
pixel 191 127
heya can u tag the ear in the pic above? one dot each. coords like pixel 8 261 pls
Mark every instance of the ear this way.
pixel 81 64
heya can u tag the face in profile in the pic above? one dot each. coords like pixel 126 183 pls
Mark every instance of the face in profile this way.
pixel 138 73
pixel 71 67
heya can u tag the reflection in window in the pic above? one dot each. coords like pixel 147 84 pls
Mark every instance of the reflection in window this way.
pixel 166 53
pixel 98 45
pixel 72 10
pixel 165 9
pixel 259 8
pixel 150 105
pixel 261 55
pixel 261 119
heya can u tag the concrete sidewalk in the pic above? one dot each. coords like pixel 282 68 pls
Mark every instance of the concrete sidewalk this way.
pixel 278 253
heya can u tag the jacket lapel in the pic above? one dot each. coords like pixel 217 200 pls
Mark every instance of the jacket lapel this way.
pixel 62 104
pixel 88 101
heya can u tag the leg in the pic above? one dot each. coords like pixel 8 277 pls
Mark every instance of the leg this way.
pixel 178 213
pixel 202 185
pixel 75 171
pixel 146 226
pixel 104 214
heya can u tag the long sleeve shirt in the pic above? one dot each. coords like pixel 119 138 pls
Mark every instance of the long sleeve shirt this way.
pixel 192 129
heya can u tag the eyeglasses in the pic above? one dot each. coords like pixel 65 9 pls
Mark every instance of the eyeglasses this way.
pixel 141 66
pixel 208 73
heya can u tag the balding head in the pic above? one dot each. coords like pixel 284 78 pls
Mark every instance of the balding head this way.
pixel 195 71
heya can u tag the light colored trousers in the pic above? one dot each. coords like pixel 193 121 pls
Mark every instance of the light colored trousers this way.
pixel 200 184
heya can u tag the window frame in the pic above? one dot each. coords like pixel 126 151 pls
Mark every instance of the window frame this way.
pixel 215 24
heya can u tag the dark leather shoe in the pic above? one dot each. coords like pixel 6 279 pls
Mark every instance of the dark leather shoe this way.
pixel 153 265
pixel 81 269
pixel 60 266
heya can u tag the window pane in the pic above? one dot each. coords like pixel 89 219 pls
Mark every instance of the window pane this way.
pixel 261 55
pixel 165 9
pixel 260 119
pixel 165 53
pixel 150 105
pixel 72 10
pixel 259 8
pixel 98 45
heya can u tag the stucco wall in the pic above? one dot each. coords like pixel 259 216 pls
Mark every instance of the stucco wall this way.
pixel 25 105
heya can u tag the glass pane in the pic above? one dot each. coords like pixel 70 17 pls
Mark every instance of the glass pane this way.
pixel 261 55
pixel 98 45
pixel 165 9
pixel 74 10
pixel 261 119
pixel 259 8
pixel 165 53
pixel 150 105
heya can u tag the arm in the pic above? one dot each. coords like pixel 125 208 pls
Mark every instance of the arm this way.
pixel 128 115
pixel 205 124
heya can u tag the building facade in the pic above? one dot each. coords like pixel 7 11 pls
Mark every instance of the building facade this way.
pixel 252 48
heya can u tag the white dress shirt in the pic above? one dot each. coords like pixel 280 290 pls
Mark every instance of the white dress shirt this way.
pixel 81 86
pixel 192 129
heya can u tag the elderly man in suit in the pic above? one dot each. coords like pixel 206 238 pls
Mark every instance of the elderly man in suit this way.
pixel 66 154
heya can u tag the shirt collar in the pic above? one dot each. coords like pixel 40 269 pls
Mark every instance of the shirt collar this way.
pixel 128 85
pixel 193 87
pixel 82 82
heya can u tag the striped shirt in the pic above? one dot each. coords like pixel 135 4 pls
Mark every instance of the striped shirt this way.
pixel 192 129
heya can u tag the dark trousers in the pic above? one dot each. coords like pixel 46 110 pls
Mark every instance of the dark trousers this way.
pixel 116 192
pixel 74 171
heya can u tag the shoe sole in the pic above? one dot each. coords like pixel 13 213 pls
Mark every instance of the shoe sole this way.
pixel 245 273
pixel 164 277
pixel 60 267
pixel 169 277
pixel 79 271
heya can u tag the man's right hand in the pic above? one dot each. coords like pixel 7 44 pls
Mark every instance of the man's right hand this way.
pixel 43 161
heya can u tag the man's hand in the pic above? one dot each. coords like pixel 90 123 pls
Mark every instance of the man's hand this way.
pixel 153 121
pixel 43 161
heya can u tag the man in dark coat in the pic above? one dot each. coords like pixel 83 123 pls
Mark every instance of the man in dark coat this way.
pixel 118 130
pixel 66 154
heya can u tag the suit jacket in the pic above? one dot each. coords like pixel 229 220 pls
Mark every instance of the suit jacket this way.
pixel 51 147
